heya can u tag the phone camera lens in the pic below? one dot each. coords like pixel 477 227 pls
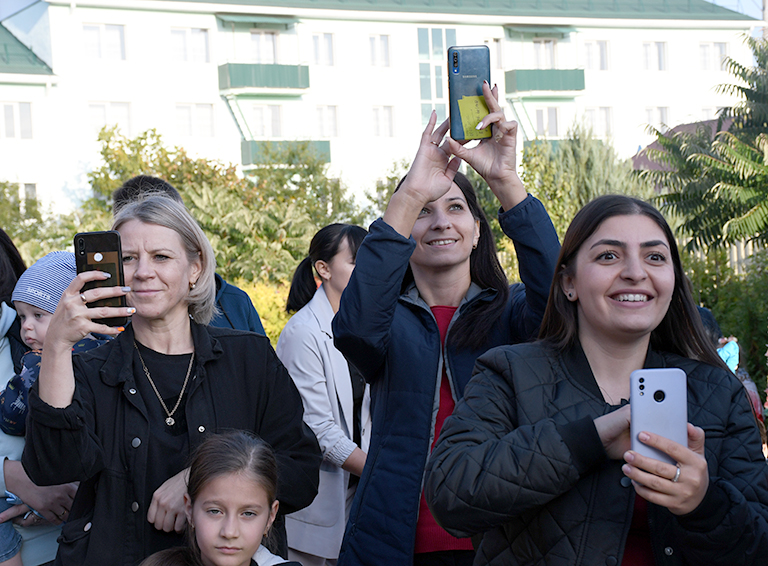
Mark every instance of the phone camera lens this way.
pixel 659 396
pixel 642 380
pixel 81 246
pixel 642 387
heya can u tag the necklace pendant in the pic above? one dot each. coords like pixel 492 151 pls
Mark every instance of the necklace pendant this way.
pixel 169 421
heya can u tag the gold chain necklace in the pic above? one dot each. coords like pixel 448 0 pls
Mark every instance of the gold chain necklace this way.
pixel 170 421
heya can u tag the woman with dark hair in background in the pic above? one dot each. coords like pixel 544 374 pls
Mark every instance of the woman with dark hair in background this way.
pixel 427 296
pixel 336 398
pixel 537 456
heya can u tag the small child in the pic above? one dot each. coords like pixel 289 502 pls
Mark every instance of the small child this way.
pixel 35 297
pixel 230 504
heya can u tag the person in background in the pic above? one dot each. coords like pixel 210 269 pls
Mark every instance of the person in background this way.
pixel 427 296
pixel 234 307
pixel 122 419
pixel 537 456
pixel 33 537
pixel 335 395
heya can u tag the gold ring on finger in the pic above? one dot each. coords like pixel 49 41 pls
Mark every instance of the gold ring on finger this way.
pixel 82 297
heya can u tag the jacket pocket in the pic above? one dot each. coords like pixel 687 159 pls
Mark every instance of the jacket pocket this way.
pixel 74 539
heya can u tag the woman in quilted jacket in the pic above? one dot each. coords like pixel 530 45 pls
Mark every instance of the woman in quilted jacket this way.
pixel 537 456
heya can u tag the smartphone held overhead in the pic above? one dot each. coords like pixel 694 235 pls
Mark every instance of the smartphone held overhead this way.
pixel 468 67
pixel 659 402
pixel 101 251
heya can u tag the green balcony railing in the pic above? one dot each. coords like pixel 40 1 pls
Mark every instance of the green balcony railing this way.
pixel 257 152
pixel 527 80
pixel 245 75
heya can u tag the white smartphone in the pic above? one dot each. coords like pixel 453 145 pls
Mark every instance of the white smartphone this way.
pixel 659 402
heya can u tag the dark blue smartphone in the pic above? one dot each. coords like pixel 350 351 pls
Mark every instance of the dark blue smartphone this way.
pixel 468 67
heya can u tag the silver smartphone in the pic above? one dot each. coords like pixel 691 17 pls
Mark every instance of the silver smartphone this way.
pixel 659 404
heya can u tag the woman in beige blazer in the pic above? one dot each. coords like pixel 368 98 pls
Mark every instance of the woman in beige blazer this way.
pixel 336 398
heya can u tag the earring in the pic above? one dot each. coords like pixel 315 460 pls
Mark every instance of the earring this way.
pixel 474 247
pixel 192 286
pixel 570 295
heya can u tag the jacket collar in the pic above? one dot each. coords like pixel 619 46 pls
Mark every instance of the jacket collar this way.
pixel 577 366
pixel 118 366
pixel 321 309
pixel 474 293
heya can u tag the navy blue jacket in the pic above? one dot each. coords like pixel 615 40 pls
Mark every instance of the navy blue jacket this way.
pixel 395 342
pixel 235 309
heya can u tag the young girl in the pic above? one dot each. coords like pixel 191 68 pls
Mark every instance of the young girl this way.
pixel 230 503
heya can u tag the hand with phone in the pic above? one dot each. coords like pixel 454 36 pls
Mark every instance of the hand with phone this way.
pixel 495 158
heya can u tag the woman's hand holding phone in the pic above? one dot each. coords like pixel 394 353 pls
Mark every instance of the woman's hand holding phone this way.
pixel 660 482
pixel 495 158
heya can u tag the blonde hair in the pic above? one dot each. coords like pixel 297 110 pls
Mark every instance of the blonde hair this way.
pixel 163 211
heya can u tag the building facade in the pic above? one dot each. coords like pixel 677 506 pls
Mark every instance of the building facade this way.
pixel 228 79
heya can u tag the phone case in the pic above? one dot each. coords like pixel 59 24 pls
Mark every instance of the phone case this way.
pixel 468 67
pixel 659 402
pixel 101 251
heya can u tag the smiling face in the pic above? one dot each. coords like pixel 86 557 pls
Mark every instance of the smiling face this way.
pixel 230 516
pixel 157 270
pixel 445 233
pixel 623 279
pixel 34 324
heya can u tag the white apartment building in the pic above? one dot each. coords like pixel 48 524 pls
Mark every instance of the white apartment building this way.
pixel 358 78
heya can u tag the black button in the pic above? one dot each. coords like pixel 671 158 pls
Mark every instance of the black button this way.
pixel 611 561
pixel 626 482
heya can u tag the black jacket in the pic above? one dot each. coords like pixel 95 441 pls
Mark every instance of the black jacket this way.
pixel 101 439
pixel 520 460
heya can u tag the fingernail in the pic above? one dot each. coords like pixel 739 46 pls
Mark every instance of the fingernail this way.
pixel 629 456
pixel 131 310
pixel 121 328
pixel 643 436
pixel 125 289
pixel 479 126
pixel 486 82
pixel 626 469
pixel 106 275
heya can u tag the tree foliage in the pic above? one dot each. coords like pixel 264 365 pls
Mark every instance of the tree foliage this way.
pixel 19 218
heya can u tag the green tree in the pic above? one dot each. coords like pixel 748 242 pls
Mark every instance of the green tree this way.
pixel 260 226
pixel 19 218
pixel 378 199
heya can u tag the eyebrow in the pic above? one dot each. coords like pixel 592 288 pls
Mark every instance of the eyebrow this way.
pixel 256 506
pixel 620 244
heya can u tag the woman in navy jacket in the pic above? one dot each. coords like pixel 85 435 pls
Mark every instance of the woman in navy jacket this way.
pixel 426 298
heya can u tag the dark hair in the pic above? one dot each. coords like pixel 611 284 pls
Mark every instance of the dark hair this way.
pixel 177 556
pixel 140 186
pixel 471 330
pixel 324 247
pixel 680 331
pixel 233 452
pixel 11 267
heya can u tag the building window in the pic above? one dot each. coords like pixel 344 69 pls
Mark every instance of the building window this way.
pixel 544 53
pixel 190 45
pixel 383 125
pixel 194 120
pixel 655 56
pixel 433 43
pixel 104 41
pixel 658 117
pixel 495 47
pixel 266 121
pixel 600 120
pixel 326 122
pixel 596 54
pixel 379 50
pixel 264 46
pixel 104 114
pixel 713 56
pixel 16 120
pixel 323 48
pixel 30 191
pixel 546 122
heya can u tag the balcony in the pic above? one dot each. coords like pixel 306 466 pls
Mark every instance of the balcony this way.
pixel 257 152
pixel 261 77
pixel 544 80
